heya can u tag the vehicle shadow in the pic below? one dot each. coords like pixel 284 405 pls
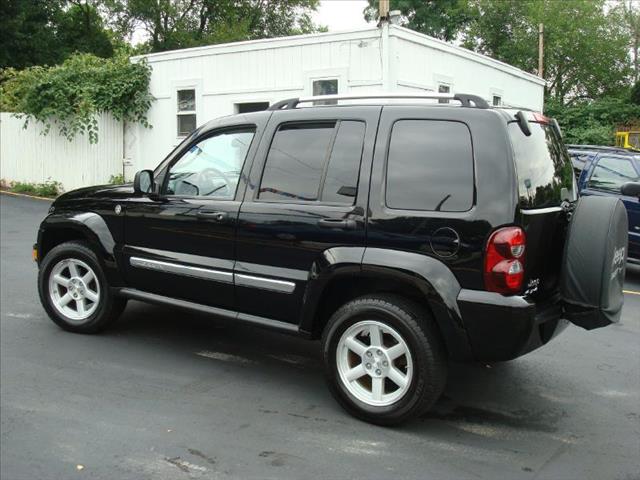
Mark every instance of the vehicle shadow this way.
pixel 476 394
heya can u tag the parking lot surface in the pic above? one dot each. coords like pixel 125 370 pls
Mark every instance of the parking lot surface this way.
pixel 170 395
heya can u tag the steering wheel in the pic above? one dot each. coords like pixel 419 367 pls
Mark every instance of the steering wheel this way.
pixel 204 175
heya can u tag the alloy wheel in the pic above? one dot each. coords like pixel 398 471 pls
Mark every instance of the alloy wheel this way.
pixel 74 289
pixel 374 363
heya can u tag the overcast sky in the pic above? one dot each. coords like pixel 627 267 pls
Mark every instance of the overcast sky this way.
pixel 341 14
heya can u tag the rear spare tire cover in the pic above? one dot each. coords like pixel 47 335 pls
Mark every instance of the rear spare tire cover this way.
pixel 595 257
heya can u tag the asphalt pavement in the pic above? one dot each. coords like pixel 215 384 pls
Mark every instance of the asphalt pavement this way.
pixel 166 394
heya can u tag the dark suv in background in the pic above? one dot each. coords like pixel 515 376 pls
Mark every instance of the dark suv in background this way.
pixel 604 173
pixel 400 234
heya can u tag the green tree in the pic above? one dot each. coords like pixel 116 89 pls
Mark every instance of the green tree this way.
pixel 635 93
pixel 28 33
pixel 595 121
pixel 172 24
pixel 443 19
pixel 586 47
pixel 629 18
pixel 81 29
pixel 38 32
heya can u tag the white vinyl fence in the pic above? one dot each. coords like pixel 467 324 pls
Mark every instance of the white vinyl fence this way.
pixel 28 156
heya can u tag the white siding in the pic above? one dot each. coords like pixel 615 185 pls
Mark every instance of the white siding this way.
pixel 264 71
pixel 28 156
pixel 275 69
pixel 421 63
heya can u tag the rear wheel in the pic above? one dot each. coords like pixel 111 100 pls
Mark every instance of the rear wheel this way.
pixel 384 360
pixel 74 290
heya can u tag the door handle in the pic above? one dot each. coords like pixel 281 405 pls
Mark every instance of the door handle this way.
pixel 347 224
pixel 213 215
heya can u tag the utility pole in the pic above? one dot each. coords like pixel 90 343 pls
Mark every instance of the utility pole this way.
pixel 383 24
pixel 383 9
pixel 541 50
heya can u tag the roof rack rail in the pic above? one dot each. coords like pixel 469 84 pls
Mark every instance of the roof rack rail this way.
pixel 466 100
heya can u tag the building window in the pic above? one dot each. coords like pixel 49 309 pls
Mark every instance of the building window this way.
pixel 249 107
pixel 325 87
pixel 497 100
pixel 443 88
pixel 186 112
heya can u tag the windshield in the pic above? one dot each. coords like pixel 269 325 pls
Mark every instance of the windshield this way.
pixel 545 174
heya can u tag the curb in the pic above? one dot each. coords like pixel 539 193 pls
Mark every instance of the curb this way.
pixel 4 192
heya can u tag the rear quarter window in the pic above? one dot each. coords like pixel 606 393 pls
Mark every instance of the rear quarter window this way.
pixel 543 166
pixel 430 166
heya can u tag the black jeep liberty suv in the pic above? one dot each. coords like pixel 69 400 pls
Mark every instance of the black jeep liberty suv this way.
pixel 401 230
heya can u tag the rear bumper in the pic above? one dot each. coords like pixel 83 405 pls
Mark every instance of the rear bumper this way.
pixel 502 328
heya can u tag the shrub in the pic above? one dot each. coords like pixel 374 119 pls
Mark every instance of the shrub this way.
pixel 72 94
pixel 594 122
pixel 117 179
pixel 49 188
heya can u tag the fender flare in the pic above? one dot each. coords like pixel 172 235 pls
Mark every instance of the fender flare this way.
pixel 94 229
pixel 333 263
pixel 90 224
pixel 432 277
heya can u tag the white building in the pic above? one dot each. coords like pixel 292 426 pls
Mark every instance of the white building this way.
pixel 194 85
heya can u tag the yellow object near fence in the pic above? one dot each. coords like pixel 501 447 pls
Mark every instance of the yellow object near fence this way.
pixel 629 139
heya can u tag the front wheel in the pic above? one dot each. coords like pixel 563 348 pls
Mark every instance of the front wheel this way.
pixel 384 360
pixel 74 290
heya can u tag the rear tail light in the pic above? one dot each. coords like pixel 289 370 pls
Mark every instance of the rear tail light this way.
pixel 504 261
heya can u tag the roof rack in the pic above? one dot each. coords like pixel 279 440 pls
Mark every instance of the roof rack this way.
pixel 607 148
pixel 466 100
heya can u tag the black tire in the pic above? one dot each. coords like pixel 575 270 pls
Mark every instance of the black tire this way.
pixel 109 306
pixel 415 325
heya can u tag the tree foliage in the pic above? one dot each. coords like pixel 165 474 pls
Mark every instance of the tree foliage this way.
pixel 172 24
pixel 72 94
pixel 37 32
pixel 629 17
pixel 635 93
pixel 443 19
pixel 594 122
pixel 81 29
pixel 586 53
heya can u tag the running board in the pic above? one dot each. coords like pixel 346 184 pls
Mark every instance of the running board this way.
pixel 197 307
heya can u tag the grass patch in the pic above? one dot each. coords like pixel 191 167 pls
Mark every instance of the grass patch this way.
pixel 50 188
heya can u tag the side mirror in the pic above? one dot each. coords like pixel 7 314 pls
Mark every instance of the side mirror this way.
pixel 143 182
pixel 631 189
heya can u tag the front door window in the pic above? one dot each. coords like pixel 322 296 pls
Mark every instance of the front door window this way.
pixel 211 167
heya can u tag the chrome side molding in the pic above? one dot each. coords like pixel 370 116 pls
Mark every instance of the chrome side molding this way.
pixel 264 283
pixel 168 267
pixel 241 279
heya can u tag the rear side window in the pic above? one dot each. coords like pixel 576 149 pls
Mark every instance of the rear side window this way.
pixel 314 162
pixel 545 173
pixel 430 166
pixel 341 180
pixel 611 173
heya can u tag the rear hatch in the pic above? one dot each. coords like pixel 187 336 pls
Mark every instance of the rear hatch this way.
pixel 545 184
